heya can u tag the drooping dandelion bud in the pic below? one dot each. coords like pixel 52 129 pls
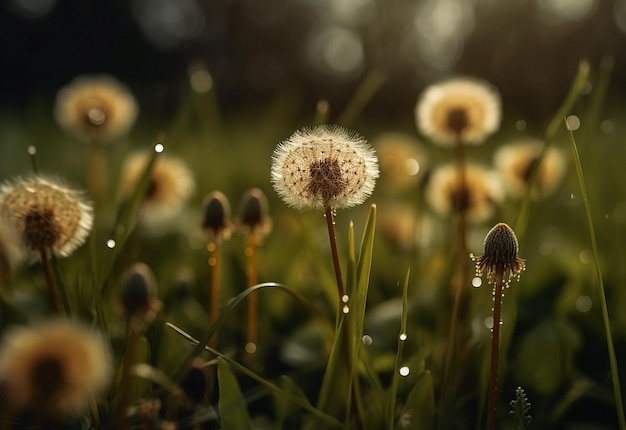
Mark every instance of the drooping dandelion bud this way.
pixel 45 214
pixel 324 167
pixel 216 220
pixel 458 109
pixel 254 219
pixel 138 293
pixel 500 259
pixel 96 108
pixel 54 368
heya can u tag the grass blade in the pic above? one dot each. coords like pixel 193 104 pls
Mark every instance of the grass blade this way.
pixel 401 339
pixel 605 312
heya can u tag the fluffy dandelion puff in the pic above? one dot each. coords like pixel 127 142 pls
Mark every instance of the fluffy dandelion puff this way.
pixel 324 167
pixel 45 214
pixel 500 255
pixel 170 187
pixel 95 108
pixel 516 161
pixel 55 367
pixel 482 193
pixel 458 109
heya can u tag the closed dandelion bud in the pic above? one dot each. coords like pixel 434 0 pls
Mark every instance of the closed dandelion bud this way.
pixel 216 221
pixel 500 259
pixel 138 291
pixel 195 383
pixel 465 110
pixel 253 214
pixel 324 167
pixel 45 215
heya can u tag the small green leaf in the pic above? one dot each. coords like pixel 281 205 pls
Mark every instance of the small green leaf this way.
pixel 232 404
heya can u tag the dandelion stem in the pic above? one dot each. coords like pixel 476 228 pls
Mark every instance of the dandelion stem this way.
pixel 129 360
pixel 345 332
pixel 50 282
pixel 495 349
pixel 214 263
pixel 251 332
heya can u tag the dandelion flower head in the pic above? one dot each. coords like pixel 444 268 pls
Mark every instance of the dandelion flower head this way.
pixel 55 367
pixel 516 161
pixel 169 188
pixel 499 259
pixel 464 110
pixel 95 108
pixel 324 167
pixel 45 214
pixel 481 196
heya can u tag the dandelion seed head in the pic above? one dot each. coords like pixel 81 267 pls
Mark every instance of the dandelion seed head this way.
pixel 458 109
pixel 516 161
pixel 324 167
pixel 479 198
pixel 95 108
pixel 55 367
pixel 45 214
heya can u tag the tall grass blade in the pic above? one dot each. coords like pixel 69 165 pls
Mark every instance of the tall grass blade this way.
pixel 418 412
pixel 605 312
pixel 401 340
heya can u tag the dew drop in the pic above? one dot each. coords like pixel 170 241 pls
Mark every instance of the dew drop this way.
pixel 159 148
pixel 404 371
pixel 346 309
pixel 367 340
pixel 403 336
pixel 32 149
pixel 488 322
pixel 573 122
pixel 111 244
pixel 345 298
pixel 477 282
pixel 250 347
pixel 583 303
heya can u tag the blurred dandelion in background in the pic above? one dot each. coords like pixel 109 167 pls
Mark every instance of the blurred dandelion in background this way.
pixel 54 369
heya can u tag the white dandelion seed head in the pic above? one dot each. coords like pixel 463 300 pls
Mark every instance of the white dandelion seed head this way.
pixel 324 166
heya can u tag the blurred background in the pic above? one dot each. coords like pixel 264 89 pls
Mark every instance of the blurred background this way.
pixel 312 49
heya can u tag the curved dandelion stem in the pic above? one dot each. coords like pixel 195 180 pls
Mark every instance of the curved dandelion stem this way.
pixel 495 349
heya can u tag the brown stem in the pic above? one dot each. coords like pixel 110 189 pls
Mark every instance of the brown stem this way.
pixel 214 263
pixel 50 282
pixel 345 332
pixel 495 347
pixel 129 361
pixel 252 279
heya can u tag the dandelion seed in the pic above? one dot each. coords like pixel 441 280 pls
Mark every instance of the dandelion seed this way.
pixel 500 256
pixel 45 214
pixel 515 163
pixel 54 368
pixel 479 199
pixel 464 110
pixel 324 167
pixel 169 188
pixel 95 108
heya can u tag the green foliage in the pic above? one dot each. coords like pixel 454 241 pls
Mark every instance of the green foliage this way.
pixel 520 408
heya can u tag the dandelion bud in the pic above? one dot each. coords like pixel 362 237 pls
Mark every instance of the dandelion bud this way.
pixel 194 383
pixel 216 221
pixel 138 289
pixel 500 258
pixel 253 214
